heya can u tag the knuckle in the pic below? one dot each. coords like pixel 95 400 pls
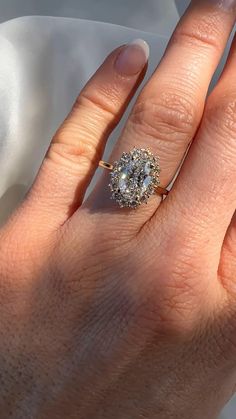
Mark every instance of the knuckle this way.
pixel 104 101
pixel 220 118
pixel 203 33
pixel 74 155
pixel 221 112
pixel 170 113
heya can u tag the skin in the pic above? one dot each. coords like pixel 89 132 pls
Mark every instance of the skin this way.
pixel 110 313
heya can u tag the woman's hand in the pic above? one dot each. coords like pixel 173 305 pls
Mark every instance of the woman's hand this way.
pixel 116 313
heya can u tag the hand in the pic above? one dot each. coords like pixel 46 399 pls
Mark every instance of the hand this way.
pixel 116 313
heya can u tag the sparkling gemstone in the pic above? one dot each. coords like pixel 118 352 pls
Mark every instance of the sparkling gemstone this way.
pixel 147 167
pixel 123 179
pixel 134 177
pixel 146 182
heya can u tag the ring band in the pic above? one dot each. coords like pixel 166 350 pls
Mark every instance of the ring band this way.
pixel 134 178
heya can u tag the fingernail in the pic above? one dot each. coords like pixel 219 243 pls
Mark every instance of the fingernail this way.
pixel 132 58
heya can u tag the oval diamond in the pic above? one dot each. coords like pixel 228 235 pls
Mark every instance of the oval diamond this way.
pixel 134 177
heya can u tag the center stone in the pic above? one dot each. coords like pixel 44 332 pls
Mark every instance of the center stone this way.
pixel 134 177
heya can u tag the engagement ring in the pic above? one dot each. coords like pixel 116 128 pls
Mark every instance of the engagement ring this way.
pixel 134 178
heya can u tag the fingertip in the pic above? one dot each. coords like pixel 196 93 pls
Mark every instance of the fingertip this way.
pixel 132 58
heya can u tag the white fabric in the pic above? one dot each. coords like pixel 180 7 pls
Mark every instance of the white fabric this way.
pixel 158 16
pixel 44 63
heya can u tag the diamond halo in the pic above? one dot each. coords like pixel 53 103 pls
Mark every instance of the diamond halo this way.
pixel 134 178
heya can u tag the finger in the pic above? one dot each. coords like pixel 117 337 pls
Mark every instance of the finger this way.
pixel 227 269
pixel 204 195
pixel 168 111
pixel 78 145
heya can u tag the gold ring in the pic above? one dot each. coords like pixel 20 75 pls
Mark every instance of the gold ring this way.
pixel 134 178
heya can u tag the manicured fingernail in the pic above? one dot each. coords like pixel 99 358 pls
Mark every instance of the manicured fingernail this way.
pixel 132 58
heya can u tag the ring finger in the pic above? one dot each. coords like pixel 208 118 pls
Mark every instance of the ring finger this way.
pixel 169 109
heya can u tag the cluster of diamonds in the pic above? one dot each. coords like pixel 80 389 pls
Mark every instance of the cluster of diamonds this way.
pixel 134 178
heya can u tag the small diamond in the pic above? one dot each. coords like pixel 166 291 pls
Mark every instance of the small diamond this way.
pixel 134 178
